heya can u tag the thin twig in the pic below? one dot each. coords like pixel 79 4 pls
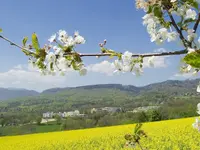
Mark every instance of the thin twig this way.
pixel 134 55
pixel 14 44
pixel 106 54
pixel 178 30
pixel 196 24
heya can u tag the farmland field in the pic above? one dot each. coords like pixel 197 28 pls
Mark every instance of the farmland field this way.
pixel 164 135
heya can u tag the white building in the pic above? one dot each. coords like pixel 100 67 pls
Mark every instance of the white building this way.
pixel 48 115
pixel 72 113
pixel 144 109
pixel 107 109
pixel 63 115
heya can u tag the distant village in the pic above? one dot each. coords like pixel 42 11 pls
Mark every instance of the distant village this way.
pixel 111 110
pixel 77 113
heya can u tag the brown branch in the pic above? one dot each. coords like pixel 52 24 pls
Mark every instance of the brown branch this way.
pixel 106 54
pixel 178 30
pixel 14 44
pixel 134 55
pixel 196 24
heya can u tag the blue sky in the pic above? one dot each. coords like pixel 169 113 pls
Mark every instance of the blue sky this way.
pixel 115 20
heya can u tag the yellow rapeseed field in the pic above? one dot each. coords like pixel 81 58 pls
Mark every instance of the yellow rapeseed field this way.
pixel 165 135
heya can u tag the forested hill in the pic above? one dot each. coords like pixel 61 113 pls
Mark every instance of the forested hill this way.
pixel 8 93
pixel 87 97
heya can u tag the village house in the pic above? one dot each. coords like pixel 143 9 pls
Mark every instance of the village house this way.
pixel 63 115
pixel 48 115
pixel 107 109
pixel 144 109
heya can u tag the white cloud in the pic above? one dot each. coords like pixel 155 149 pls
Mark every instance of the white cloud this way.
pixel 178 76
pixel 160 50
pixel 16 82
pixel 18 67
pixel 105 67
pixel 30 79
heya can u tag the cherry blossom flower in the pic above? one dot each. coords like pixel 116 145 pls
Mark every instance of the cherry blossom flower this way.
pixel 190 50
pixel 196 125
pixel 52 38
pixel 191 35
pixel 198 88
pixel 198 108
pixel 150 61
pixel 79 40
pixel 172 1
pixel 51 57
pixel 83 71
pixel 190 14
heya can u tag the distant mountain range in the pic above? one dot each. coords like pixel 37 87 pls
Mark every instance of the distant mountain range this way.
pixel 173 87
pixel 8 93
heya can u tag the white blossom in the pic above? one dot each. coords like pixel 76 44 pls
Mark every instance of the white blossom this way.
pixel 181 10
pixel 62 36
pixel 51 57
pixel 190 14
pixel 127 58
pixel 150 61
pixel 52 38
pixel 171 36
pixel 190 50
pixel 62 33
pixel 83 71
pixel 189 67
pixel 126 68
pixel 191 35
pixel 195 73
pixel 198 88
pixel 76 33
pixel 69 41
pixel 196 125
pixel 172 1
pixel 199 40
pixel 63 63
pixel 57 50
pixel 163 33
pixel 118 65
pixel 138 71
pixel 79 40
pixel 142 4
pixel 198 108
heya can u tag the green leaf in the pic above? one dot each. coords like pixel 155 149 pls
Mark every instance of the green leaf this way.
pixel 167 24
pixel 59 45
pixel 25 40
pixel 74 65
pixel 179 24
pixel 41 53
pixel 119 55
pixel 67 49
pixel 27 53
pixel 35 42
pixel 157 11
pixel 68 57
pixel 51 66
pixel 150 8
pixel 103 50
pixel 189 20
pixel 195 5
pixel 1 30
pixel 193 59
pixel 77 57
